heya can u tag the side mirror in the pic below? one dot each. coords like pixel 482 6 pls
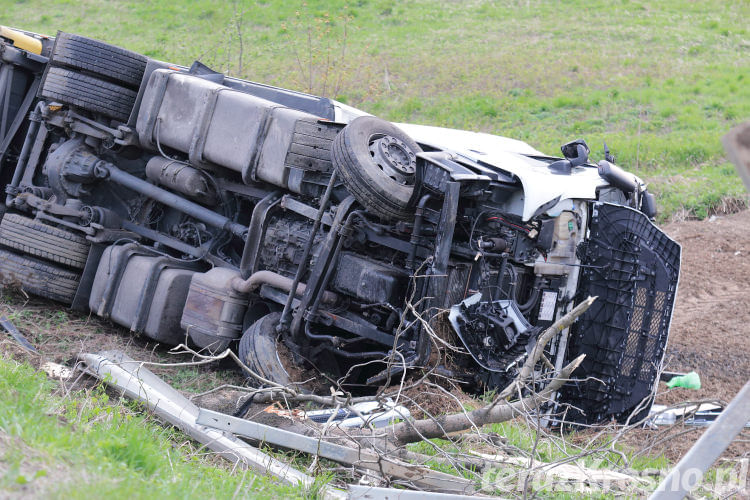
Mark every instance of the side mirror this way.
pixel 577 152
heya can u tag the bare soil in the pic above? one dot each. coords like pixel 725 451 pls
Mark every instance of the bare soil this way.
pixel 710 335
pixel 710 331
pixel 711 327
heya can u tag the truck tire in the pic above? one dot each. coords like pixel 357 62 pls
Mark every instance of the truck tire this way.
pixel 98 58
pixel 89 93
pixel 377 161
pixel 41 240
pixel 259 350
pixel 37 277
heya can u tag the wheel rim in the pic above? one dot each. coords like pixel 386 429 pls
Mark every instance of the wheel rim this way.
pixel 394 157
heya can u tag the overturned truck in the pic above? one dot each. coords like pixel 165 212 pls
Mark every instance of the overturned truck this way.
pixel 189 206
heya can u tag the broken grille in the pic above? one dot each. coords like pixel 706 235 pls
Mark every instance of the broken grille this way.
pixel 633 268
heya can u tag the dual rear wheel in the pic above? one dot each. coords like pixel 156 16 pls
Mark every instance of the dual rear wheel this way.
pixel 93 76
pixel 41 259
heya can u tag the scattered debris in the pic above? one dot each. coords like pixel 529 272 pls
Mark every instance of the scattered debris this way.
pixel 699 415
pixel 56 371
pixel 276 409
pixel 367 414
pixel 683 478
pixel 137 382
pixel 688 381
pixel 373 493
pixel 566 471
pixel 22 341
pixel 350 455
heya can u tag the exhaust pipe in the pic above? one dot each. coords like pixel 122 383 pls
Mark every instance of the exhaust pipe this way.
pixel 276 280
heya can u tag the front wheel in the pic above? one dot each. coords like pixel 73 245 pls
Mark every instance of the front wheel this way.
pixel 377 163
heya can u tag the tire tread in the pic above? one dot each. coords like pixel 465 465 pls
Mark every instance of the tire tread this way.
pixel 37 277
pixel 89 93
pixel 44 241
pixel 99 58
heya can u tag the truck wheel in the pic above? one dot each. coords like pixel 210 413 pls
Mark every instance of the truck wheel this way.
pixel 98 58
pixel 377 163
pixel 259 350
pixel 47 242
pixel 89 93
pixel 37 277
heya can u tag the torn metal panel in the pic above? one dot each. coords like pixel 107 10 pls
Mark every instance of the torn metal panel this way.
pixel 137 382
pixel 420 476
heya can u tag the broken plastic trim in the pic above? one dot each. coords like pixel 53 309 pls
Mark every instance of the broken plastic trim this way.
pixel 514 326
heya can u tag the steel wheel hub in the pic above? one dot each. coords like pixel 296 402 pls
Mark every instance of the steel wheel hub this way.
pixel 394 158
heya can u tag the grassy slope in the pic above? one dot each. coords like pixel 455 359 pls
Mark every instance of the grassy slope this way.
pixel 659 81
pixel 86 446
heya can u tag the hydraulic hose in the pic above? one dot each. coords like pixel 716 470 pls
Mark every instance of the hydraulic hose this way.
pixel 533 297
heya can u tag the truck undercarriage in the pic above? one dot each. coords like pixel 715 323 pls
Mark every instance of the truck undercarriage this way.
pixel 189 206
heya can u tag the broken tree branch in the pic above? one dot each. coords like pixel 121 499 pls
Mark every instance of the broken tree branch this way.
pixel 558 326
pixel 500 411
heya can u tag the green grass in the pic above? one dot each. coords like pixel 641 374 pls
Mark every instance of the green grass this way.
pixel 88 446
pixel 661 82
pixel 522 438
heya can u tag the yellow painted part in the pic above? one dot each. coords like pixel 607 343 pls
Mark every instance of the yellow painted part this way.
pixel 22 40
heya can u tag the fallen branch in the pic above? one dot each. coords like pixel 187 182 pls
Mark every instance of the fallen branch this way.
pixel 527 369
pixel 499 411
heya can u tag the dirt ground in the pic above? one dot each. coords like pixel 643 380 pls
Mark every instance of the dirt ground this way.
pixel 711 326
pixel 710 331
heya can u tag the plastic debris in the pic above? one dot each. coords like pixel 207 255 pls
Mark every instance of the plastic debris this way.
pixel 372 414
pixel 688 381
pixel 57 371
pixel 701 415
